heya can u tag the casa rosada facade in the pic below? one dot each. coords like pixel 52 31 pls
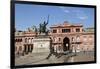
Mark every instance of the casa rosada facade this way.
pixel 64 37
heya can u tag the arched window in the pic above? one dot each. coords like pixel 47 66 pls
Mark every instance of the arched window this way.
pixel 21 40
pixel 29 40
pixel 20 48
pixel 59 39
pixel 32 40
pixel 17 40
pixel 25 40
pixel 54 39
pixel 78 38
pixel 73 39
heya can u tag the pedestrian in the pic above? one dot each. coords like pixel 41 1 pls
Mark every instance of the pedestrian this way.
pixel 51 52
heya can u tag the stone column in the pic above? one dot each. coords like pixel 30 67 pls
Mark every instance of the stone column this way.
pixel 27 49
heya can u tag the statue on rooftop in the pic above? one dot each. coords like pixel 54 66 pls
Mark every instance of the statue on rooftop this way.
pixel 32 29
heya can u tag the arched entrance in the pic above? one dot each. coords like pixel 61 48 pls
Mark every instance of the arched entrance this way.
pixel 66 44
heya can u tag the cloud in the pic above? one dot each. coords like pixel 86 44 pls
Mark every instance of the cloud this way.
pixel 66 11
pixel 82 17
pixel 77 13
pixel 62 7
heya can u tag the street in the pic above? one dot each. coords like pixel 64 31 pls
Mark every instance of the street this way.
pixel 40 58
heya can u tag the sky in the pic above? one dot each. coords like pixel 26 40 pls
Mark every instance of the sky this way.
pixel 27 15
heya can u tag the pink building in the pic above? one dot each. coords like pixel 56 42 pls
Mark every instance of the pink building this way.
pixel 72 37
pixel 24 42
pixel 64 37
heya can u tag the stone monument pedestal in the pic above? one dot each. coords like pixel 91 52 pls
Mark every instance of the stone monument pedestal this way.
pixel 41 44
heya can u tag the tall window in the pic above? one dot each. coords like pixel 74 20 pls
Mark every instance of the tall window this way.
pixel 54 39
pixel 25 40
pixel 72 38
pixel 65 30
pixel 20 48
pixel 54 31
pixel 78 38
pixel 29 40
pixel 32 40
pixel 59 39
pixel 20 40
pixel 77 30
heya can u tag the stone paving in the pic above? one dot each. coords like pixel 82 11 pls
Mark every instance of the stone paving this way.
pixel 40 58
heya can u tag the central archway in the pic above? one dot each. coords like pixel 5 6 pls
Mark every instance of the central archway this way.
pixel 66 44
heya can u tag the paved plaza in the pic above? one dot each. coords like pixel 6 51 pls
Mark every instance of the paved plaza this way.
pixel 40 58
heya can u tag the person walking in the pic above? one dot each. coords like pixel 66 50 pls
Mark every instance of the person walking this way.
pixel 51 52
